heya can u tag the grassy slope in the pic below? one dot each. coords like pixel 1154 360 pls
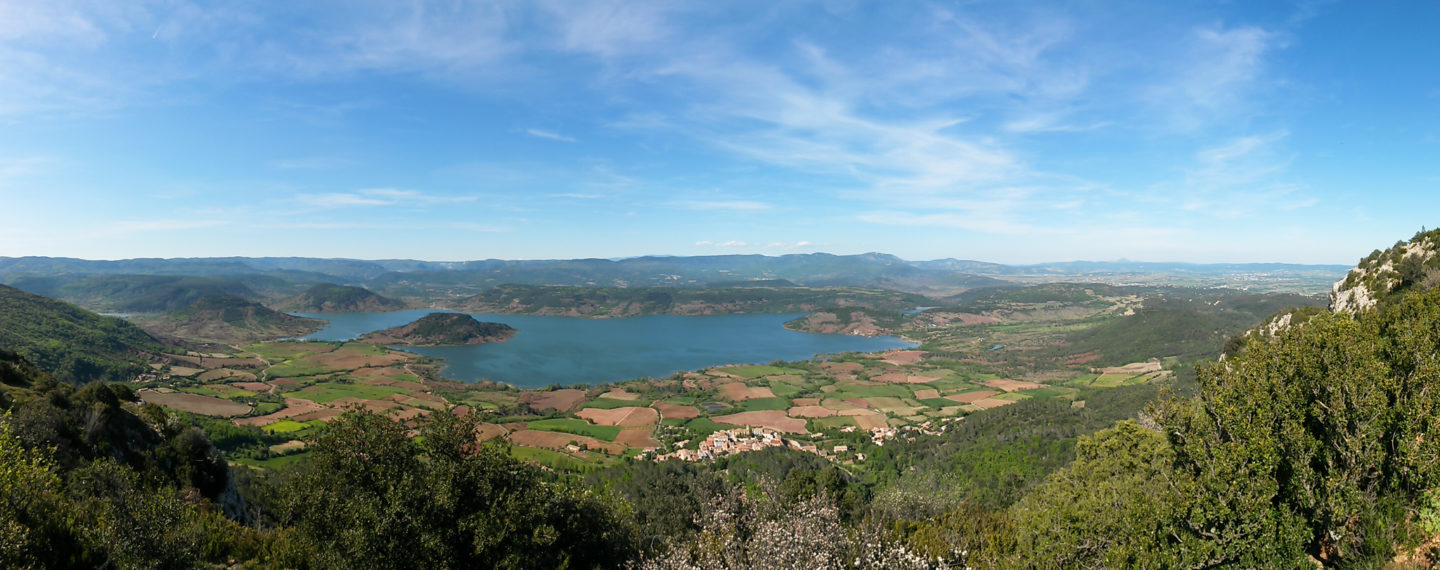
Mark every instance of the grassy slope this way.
pixel 229 319
pixel 134 293
pixel 332 298
pixel 70 343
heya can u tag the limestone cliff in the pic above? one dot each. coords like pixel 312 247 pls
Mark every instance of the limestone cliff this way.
pixel 1405 266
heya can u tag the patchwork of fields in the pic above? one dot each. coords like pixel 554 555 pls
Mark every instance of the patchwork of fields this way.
pixel 990 357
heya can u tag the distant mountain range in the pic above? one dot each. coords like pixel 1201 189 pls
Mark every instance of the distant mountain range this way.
pixel 875 270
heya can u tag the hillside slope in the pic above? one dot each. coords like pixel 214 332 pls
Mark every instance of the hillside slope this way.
pixel 225 319
pixel 1404 267
pixel 332 298
pixel 72 344
pixel 617 302
pixel 443 329
pixel 133 293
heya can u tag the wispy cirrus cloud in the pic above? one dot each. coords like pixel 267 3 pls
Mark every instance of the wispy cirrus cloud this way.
pixel 723 205
pixel 166 225
pixel 1214 75
pixel 312 163
pixel 1240 177
pixel 542 134
pixel 378 197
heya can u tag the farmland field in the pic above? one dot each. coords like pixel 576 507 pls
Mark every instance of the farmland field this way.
pixel 578 427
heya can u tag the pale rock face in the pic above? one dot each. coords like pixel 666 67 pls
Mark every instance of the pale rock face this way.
pixel 1351 300
pixel 1279 324
pixel 1361 297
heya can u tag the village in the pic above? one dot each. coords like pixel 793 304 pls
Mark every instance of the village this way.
pixel 742 440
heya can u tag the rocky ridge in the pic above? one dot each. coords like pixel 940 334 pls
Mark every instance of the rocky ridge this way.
pixel 1406 265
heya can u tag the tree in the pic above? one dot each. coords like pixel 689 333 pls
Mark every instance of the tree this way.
pixel 371 497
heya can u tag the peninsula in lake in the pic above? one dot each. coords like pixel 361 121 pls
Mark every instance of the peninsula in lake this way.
pixel 443 329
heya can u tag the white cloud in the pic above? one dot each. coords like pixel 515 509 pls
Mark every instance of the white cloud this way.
pixel 1242 177
pixel 378 197
pixel 166 225
pixel 23 167
pixel 723 205
pixel 340 200
pixel 1052 123
pixel 539 134
pixel 312 163
pixel 1215 76
pixel 612 28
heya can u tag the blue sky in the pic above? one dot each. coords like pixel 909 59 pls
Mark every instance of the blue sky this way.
pixel 1012 132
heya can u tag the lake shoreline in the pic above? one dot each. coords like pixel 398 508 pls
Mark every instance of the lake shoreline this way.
pixel 567 351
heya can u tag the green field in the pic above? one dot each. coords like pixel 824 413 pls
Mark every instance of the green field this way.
pixel 552 459
pixel 882 390
pixel 753 372
pixel 294 368
pixel 952 383
pixel 705 426
pixel 761 404
pixel 276 352
pixel 219 391
pixel 274 462
pixel 264 408
pixel 1046 392
pixel 290 426
pixel 893 405
pixel 1112 380
pixel 577 427
pixel 835 422
pixel 330 391
pixel 784 389
pixel 611 403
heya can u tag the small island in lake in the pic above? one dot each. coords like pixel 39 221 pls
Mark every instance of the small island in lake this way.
pixel 443 329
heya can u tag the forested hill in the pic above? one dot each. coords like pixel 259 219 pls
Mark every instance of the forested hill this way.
pixel 1403 268
pixel 92 478
pixel 443 329
pixel 332 298
pixel 227 319
pixel 72 344
pixel 622 302
pixel 133 293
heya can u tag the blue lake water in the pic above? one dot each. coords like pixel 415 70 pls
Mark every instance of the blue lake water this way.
pixel 568 350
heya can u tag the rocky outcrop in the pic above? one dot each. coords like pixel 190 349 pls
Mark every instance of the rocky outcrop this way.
pixel 1382 273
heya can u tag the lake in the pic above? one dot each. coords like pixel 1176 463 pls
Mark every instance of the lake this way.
pixel 569 350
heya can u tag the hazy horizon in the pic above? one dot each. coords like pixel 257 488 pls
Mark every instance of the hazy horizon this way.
pixel 623 258
pixel 1292 132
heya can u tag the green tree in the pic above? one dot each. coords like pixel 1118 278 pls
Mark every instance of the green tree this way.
pixel 371 497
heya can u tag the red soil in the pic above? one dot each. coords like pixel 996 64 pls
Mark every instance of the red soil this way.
pixel 738 392
pixel 1012 385
pixel 811 412
pixel 971 397
pixel 773 419
pixel 899 357
pixel 562 400
pixel 194 403
pixel 624 417
pixel 677 412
